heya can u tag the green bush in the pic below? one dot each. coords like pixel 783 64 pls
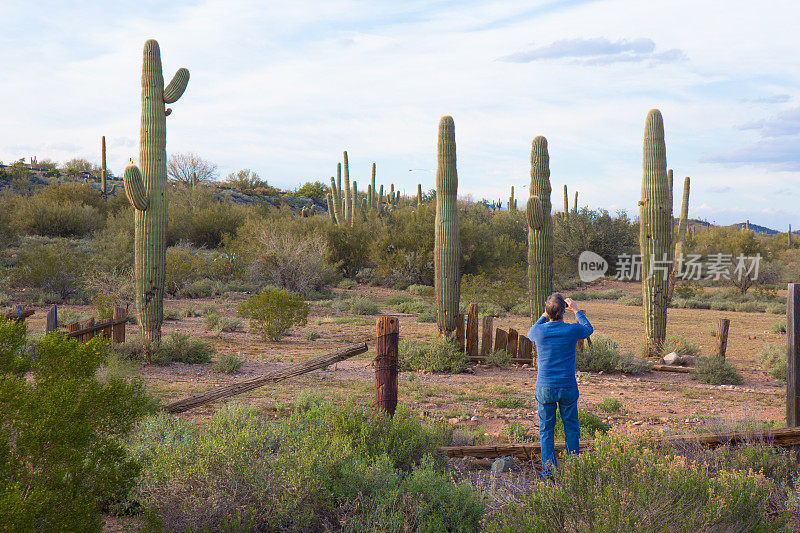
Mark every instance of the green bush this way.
pixel 397 299
pixel 778 327
pixel 412 307
pixel 66 210
pixel 499 358
pixel 428 315
pixel 53 267
pixel 680 345
pixel 421 290
pixel 508 402
pixel 229 363
pixel 217 322
pixel 439 356
pixel 325 467
pixel 715 370
pixel 62 461
pixel 630 300
pixel 773 358
pixel 182 348
pixel 499 293
pixel 610 405
pixel 273 312
pixel 625 486
pixel 516 432
pixel 523 309
pixel 589 423
pixel 358 305
pixel 346 283
pixel 610 294
pixel 604 355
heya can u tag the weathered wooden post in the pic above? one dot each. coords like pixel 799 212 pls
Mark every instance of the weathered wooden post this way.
pixel 51 321
pixel 472 330
pixel 793 355
pixel 721 343
pixel 118 330
pixel 75 326
pixel 460 332
pixel 500 340
pixel 386 367
pixel 486 336
pixel 513 337
pixel 86 337
pixel 525 348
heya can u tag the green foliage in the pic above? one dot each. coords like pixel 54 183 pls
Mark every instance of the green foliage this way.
pixel 247 180
pixel 346 283
pixel 499 358
pixel 772 358
pixel 421 290
pixel 218 322
pixel 439 356
pixel 55 267
pixel 66 210
pixel 610 294
pixel 680 345
pixel 326 466
pixel 500 293
pixel 412 306
pixel 192 272
pixel 630 300
pixel 715 370
pixel 516 432
pixel 316 190
pixel 610 405
pixel 358 305
pixel 428 315
pixel 273 312
pixel 589 423
pixel 604 355
pixel 61 462
pixel 198 217
pixel 508 402
pixel 178 347
pixel 778 327
pixel 229 363
pixel 621 486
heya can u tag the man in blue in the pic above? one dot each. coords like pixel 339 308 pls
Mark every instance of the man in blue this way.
pixel 556 385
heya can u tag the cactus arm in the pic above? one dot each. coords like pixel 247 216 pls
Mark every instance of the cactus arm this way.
pixel 134 188
pixel 176 87
pixel 534 214
pixel 680 237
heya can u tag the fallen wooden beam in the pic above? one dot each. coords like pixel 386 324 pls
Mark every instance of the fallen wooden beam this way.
pixel 781 437
pixel 233 389
pixel 670 368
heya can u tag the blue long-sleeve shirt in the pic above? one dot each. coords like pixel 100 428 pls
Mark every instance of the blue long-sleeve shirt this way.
pixel 555 349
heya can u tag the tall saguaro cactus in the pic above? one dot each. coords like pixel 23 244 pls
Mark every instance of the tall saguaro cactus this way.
pixel 540 229
pixel 146 190
pixel 104 172
pixel 680 237
pixel 446 250
pixel 655 231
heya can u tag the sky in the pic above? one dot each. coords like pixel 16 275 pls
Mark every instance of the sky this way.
pixel 283 88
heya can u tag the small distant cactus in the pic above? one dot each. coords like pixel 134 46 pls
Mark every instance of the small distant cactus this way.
pixel 655 231
pixel 104 172
pixel 447 248
pixel 540 229
pixel 680 237
pixel 566 202
pixel 146 190
pixel 575 205
pixel 512 203
pixel 419 194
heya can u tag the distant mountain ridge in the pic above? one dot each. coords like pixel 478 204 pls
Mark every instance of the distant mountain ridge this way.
pixel 693 222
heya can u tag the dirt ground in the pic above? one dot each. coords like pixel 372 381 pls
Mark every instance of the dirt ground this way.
pixel 655 401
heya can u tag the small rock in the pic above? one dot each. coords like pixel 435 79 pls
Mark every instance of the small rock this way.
pixel 473 418
pixel 503 464
pixel 672 358
pixel 453 420
pixel 689 360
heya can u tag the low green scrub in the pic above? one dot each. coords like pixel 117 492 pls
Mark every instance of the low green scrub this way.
pixel 630 300
pixel 229 363
pixel 182 348
pixel 680 345
pixel 610 294
pixel 715 370
pixel 428 315
pixel 273 312
pixel 358 305
pixel 499 358
pixel 589 423
pixel 438 356
pixel 499 293
pixel 604 355
pixel 610 405
pixel 421 290
pixel 778 327
pixel 772 358
pixel 508 402
pixel 326 467
pixel 346 283
pixel 411 306
pixel 516 432
pixel 397 299
pixel 217 323
pixel 621 486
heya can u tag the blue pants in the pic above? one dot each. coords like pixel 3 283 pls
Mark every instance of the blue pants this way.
pixel 566 399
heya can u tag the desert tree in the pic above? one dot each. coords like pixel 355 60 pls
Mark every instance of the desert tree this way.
pixel 186 167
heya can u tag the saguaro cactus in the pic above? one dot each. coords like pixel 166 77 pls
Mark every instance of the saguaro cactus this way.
pixel 348 200
pixel 146 189
pixel 104 173
pixel 655 231
pixel 540 229
pixel 419 194
pixel 680 237
pixel 446 250
pixel 512 203
pixel 566 201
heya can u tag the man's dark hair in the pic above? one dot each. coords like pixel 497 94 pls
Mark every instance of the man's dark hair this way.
pixel 555 306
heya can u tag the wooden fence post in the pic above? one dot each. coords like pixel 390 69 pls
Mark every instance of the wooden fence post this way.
pixel 721 343
pixel 513 338
pixel 525 348
pixel 51 321
pixel 793 355
pixel 86 337
pixel 460 332
pixel 386 368
pixel 500 340
pixel 118 329
pixel 75 326
pixel 472 330
pixel 486 340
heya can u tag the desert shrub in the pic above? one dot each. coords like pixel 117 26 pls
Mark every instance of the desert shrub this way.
pixel 316 190
pixel 625 486
pixel 197 273
pixel 589 424
pixel 112 288
pixel 485 309
pixel 428 315
pixel 53 267
pixel 508 402
pixel 273 312
pixel 229 363
pixel 522 309
pixel 772 358
pixel 689 289
pixel 776 309
pixel 325 467
pixel 218 322
pixel 610 294
pixel 715 370
pixel 358 305
pixel 196 216
pixel 182 348
pixel 412 306
pixel 480 288
pixel 311 335
pixel 610 405
pixel 397 299
pixel 282 255
pixel 630 300
pixel 171 314
pixel 406 252
pixel 66 210
pixel 439 356
pixel 778 327
pixel 680 345
pixel 421 290
pixel 516 432
pixel 346 283
pixel 499 358
pixel 604 355
pixel 63 463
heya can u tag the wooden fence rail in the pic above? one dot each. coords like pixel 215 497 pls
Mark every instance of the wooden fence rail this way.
pixel 113 328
